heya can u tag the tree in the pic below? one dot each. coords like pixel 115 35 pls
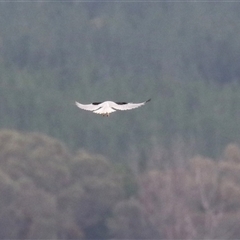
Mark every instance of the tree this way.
pixel 198 199
pixel 49 192
pixel 95 189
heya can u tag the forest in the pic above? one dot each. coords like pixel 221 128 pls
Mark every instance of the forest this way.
pixel 49 192
pixel 168 170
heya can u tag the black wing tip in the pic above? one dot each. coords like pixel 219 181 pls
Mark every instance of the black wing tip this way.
pixel 121 103
pixel 96 103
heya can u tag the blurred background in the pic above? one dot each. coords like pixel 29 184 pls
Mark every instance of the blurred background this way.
pixel 168 170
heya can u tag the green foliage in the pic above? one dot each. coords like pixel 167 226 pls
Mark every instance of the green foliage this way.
pixel 101 188
pixel 129 222
pixel 53 54
pixel 48 192
pixel 184 56
pixel 197 200
pixel 29 154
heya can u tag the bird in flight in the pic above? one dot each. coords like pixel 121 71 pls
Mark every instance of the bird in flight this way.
pixel 107 107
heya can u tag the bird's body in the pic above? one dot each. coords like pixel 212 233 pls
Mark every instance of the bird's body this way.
pixel 107 107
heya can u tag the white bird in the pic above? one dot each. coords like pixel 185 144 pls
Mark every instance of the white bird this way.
pixel 107 107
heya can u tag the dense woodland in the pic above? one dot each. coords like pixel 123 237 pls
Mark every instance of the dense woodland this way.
pixel 168 170
pixel 49 192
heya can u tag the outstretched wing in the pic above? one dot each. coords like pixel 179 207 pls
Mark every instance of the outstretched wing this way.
pixel 89 107
pixel 127 106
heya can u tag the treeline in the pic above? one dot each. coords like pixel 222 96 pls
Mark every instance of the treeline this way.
pixel 184 56
pixel 195 200
pixel 49 192
pixel 202 115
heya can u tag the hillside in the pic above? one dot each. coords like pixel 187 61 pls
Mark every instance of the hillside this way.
pixel 183 55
